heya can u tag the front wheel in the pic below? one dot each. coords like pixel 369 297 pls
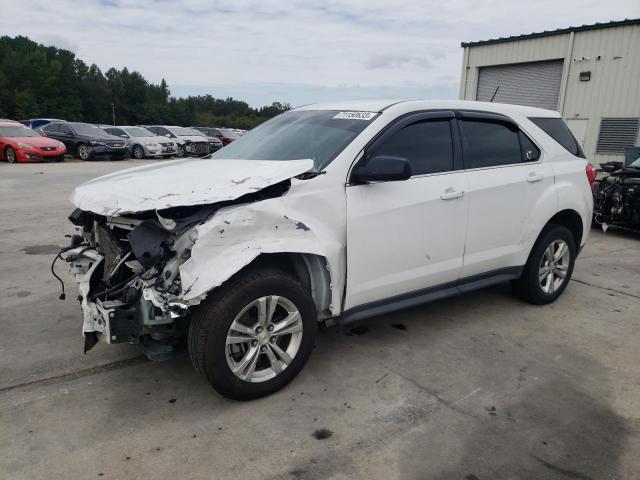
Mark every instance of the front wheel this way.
pixel 10 155
pixel 549 268
pixel 84 152
pixel 253 335
pixel 138 152
pixel 181 151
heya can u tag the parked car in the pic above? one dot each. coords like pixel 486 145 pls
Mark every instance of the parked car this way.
pixel 215 143
pixel 19 143
pixel 142 143
pixel 85 140
pixel 188 141
pixel 327 213
pixel 227 135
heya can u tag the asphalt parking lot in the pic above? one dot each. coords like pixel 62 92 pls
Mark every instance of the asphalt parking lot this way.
pixel 476 387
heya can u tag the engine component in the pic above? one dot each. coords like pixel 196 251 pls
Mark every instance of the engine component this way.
pixel 616 198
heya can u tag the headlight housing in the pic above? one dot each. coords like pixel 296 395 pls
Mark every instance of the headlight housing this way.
pixel 25 146
pixel 96 142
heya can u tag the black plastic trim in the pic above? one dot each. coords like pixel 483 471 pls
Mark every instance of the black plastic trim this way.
pixel 431 294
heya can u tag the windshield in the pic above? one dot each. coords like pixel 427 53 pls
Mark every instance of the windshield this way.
pixel 635 163
pixel 89 130
pixel 17 132
pixel 139 132
pixel 316 134
pixel 184 132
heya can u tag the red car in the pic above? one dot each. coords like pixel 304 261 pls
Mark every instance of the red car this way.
pixel 19 143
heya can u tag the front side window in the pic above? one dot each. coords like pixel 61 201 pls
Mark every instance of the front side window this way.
pixel 426 145
pixel 489 144
pixel 319 135
pixel 52 128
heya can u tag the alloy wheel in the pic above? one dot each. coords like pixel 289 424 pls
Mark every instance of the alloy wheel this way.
pixel 83 152
pixel 10 154
pixel 138 152
pixel 554 266
pixel 263 339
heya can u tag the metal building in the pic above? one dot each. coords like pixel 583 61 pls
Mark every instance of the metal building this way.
pixel 590 74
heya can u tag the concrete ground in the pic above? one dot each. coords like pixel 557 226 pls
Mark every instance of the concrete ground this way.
pixel 476 387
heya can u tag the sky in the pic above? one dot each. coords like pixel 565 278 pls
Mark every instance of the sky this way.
pixel 293 51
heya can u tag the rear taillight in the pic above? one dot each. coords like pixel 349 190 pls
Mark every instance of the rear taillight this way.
pixel 591 175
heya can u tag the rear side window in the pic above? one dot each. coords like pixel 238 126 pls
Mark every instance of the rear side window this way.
pixel 558 130
pixel 489 144
pixel 426 145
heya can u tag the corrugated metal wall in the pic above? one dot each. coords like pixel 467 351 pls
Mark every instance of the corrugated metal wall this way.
pixel 536 84
pixel 612 55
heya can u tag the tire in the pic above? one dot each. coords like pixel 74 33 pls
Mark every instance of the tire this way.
pixel 542 281
pixel 83 152
pixel 138 152
pixel 211 327
pixel 181 151
pixel 10 155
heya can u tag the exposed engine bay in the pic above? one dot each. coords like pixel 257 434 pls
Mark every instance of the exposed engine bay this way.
pixel 127 270
pixel 616 197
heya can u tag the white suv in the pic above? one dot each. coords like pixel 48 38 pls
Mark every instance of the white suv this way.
pixel 327 213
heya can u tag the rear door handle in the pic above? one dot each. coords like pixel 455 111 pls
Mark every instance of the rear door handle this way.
pixel 534 177
pixel 451 193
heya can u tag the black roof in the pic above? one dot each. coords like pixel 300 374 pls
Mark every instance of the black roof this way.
pixel 559 31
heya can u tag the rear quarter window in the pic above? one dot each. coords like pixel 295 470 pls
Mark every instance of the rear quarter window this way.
pixel 558 130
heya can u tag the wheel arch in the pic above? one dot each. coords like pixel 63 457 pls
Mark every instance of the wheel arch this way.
pixel 570 219
pixel 310 269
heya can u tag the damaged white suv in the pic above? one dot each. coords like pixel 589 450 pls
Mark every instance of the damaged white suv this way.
pixel 326 213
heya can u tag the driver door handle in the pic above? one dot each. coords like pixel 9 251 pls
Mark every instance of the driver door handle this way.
pixel 534 177
pixel 451 193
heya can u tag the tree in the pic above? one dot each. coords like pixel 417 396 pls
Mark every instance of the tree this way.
pixel 46 81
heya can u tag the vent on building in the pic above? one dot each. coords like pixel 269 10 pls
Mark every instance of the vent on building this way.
pixel 616 134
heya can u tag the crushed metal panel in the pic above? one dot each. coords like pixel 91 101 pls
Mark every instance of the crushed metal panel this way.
pixel 236 235
pixel 182 183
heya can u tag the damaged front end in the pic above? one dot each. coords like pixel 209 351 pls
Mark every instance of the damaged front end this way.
pixel 127 271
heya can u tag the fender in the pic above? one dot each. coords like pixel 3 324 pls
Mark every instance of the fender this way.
pixel 236 235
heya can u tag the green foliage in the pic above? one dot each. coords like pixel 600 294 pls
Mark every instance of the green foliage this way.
pixel 39 81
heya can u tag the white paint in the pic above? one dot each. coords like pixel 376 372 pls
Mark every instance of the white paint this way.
pixel 181 183
pixel 398 236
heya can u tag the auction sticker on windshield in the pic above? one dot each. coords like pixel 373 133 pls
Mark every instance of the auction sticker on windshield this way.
pixel 356 115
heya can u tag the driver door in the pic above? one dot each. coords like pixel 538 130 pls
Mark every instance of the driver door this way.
pixel 407 236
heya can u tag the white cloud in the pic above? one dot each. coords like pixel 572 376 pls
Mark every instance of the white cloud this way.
pixel 372 44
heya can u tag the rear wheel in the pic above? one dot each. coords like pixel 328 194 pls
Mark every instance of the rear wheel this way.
pixel 253 335
pixel 10 155
pixel 549 267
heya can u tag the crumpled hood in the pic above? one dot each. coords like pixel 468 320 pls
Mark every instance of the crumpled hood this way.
pixel 181 183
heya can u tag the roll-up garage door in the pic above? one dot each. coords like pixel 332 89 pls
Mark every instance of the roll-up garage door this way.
pixel 536 84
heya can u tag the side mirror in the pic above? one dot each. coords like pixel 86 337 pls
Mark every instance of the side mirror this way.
pixel 124 136
pixel 168 135
pixel 382 168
